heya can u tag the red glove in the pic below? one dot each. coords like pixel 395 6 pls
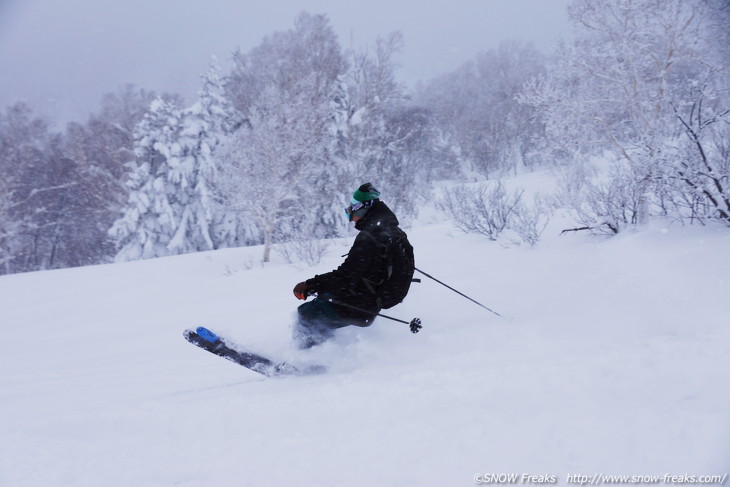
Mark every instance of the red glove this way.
pixel 301 290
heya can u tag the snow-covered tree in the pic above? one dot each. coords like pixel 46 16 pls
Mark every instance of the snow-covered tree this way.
pixel 171 207
pixel 62 191
pixel 701 165
pixel 22 141
pixel 38 192
pixel 615 85
pixel 275 168
pixel 611 87
pixel 478 109
pixel 103 149
pixel 205 125
pixel 382 138
pixel 270 164
pixel 152 216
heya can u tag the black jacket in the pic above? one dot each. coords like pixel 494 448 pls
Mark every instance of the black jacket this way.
pixel 354 281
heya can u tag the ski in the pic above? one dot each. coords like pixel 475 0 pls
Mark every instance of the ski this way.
pixel 208 340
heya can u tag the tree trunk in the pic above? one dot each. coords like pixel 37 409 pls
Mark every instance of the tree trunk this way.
pixel 268 232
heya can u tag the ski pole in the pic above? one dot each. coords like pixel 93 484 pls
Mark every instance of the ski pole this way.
pixel 460 293
pixel 415 323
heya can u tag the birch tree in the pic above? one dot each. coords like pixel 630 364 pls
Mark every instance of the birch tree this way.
pixel 615 85
pixel 276 166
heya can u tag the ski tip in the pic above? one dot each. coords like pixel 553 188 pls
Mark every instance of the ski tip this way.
pixel 206 334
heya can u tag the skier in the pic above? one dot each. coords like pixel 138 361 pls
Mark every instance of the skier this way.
pixel 355 282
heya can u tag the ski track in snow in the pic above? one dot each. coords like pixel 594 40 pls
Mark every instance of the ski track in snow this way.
pixel 613 360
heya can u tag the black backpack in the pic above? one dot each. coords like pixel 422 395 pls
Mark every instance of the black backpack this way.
pixel 400 265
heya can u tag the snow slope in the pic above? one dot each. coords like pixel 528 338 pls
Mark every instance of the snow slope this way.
pixel 614 361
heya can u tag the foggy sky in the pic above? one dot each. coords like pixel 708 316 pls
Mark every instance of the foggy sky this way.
pixel 62 56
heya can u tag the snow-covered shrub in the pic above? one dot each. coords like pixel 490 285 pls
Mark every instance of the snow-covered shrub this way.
pixel 488 209
pixel 297 241
pixel 482 209
pixel 602 204
pixel 529 222
pixel 303 250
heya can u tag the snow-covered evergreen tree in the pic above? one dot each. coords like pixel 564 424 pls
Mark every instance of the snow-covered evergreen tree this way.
pixel 205 126
pixel 172 208
pixel 150 220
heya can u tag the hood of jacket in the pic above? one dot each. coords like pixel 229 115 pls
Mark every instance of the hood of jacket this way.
pixel 378 216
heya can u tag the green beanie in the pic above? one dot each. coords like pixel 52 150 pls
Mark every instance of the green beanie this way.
pixel 366 192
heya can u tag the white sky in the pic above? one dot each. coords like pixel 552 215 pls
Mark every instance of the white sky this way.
pixel 61 56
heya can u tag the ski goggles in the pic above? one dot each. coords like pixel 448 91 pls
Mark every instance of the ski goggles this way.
pixel 357 209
